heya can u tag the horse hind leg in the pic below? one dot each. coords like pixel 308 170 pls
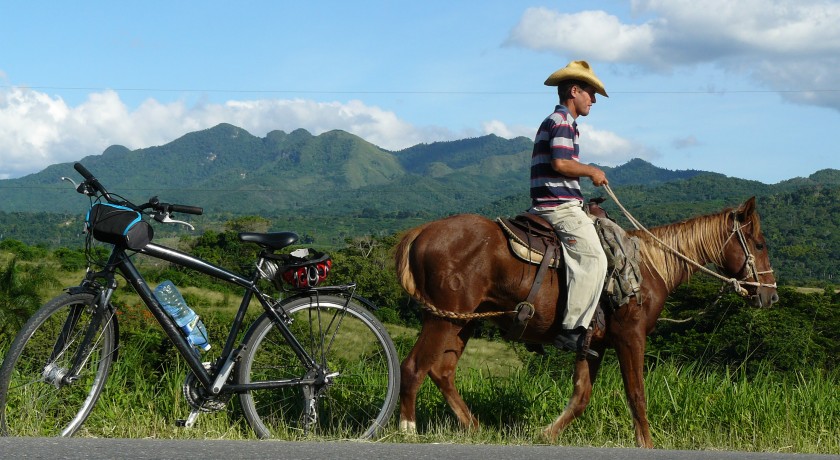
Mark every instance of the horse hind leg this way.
pixel 436 354
pixel 443 375
pixel 411 377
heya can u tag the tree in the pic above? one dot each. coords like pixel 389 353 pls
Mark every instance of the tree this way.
pixel 20 288
pixel 368 262
pixel 248 224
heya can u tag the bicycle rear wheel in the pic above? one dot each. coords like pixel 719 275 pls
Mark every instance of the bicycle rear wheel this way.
pixel 357 372
pixel 38 396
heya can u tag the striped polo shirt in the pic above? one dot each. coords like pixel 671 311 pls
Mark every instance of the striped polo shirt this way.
pixel 556 138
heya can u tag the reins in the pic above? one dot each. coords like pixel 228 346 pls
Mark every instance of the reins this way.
pixel 736 284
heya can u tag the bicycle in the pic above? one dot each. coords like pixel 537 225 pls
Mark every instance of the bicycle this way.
pixel 316 362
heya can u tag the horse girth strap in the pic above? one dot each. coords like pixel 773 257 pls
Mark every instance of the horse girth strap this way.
pixel 525 310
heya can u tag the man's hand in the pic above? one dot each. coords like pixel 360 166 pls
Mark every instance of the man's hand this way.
pixel 598 177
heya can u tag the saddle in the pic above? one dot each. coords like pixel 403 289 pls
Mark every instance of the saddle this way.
pixel 531 237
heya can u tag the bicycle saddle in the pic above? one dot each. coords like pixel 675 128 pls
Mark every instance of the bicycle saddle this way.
pixel 277 240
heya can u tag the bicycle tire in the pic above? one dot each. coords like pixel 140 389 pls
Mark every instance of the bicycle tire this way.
pixel 35 399
pixel 349 341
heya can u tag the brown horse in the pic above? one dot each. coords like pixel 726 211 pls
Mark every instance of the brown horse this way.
pixel 461 267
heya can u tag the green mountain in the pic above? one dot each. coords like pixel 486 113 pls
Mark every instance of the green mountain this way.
pixel 230 172
pixel 638 171
pixel 441 157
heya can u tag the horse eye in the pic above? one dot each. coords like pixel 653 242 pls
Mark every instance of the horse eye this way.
pixel 759 246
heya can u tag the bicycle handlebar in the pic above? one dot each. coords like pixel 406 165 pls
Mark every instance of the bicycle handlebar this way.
pixel 186 209
pixel 84 172
pixel 92 183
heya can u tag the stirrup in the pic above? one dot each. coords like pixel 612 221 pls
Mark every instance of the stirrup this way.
pixel 574 342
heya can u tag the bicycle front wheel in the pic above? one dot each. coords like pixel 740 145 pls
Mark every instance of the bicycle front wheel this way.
pixel 40 394
pixel 351 392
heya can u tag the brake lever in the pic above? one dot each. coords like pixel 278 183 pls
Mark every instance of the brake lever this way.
pixel 75 185
pixel 81 187
pixel 165 219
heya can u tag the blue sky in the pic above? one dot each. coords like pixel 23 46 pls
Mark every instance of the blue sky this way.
pixel 746 88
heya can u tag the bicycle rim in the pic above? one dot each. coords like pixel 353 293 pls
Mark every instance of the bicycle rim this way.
pixel 353 350
pixel 36 396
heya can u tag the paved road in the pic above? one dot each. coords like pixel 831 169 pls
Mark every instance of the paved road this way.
pixel 86 448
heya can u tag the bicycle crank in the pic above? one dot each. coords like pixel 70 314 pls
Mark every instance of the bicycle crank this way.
pixel 198 398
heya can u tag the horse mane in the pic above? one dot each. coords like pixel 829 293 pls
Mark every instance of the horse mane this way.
pixel 700 239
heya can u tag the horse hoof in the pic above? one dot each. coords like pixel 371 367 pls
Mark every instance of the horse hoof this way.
pixel 407 427
pixel 547 435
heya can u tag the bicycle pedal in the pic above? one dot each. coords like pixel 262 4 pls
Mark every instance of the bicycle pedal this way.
pixel 189 421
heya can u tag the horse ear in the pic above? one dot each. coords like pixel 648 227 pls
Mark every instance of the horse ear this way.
pixel 746 210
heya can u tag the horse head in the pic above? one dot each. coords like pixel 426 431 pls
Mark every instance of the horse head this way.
pixel 746 258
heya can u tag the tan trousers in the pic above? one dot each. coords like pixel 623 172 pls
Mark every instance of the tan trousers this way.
pixel 586 263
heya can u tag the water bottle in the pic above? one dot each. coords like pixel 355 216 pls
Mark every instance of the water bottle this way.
pixel 176 307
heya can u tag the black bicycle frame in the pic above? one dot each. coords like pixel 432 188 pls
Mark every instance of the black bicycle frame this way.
pixel 119 260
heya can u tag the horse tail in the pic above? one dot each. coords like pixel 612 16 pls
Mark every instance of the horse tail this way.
pixel 402 254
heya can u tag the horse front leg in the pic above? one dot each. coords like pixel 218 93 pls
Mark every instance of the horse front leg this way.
pixel 631 359
pixel 586 370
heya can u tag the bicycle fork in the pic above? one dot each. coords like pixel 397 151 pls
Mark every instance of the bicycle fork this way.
pixel 57 375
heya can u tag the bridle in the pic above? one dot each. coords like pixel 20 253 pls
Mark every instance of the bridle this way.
pixel 749 262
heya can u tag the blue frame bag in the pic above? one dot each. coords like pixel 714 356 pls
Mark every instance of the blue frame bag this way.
pixel 118 225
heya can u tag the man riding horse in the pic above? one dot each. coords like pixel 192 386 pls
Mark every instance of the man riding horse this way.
pixel 556 196
pixel 463 269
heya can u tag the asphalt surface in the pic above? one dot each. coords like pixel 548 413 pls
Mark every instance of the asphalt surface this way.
pixel 90 448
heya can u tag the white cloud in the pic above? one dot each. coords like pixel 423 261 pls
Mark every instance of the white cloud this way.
pixel 609 149
pixel 781 27
pixel 605 148
pixel 791 46
pixel 594 34
pixel 501 129
pixel 686 142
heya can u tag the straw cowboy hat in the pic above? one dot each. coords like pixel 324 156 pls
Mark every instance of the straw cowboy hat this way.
pixel 577 70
